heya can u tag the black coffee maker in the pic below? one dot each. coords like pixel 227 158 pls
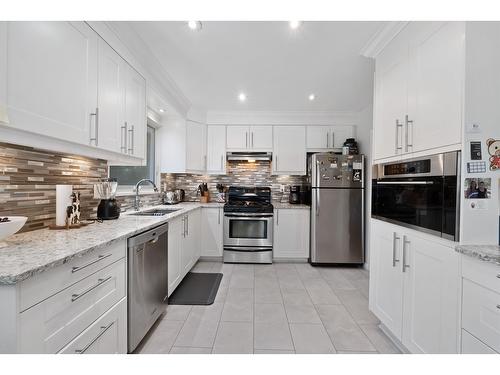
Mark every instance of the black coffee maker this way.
pixel 108 208
pixel 294 197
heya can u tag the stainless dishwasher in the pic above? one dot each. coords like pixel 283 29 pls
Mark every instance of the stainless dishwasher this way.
pixel 147 281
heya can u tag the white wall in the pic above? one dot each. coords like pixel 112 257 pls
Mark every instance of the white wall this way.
pixel 482 107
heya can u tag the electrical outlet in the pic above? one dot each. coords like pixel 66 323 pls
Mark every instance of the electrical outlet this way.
pixel 282 188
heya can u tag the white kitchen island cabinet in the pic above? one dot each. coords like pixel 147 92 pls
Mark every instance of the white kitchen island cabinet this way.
pixel 291 234
pixel 414 288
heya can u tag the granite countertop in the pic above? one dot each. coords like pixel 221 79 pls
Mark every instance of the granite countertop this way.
pixel 289 205
pixel 486 253
pixel 34 252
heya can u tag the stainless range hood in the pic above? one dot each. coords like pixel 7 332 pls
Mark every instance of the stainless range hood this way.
pixel 249 156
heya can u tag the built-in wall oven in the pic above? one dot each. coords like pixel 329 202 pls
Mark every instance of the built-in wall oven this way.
pixel 421 194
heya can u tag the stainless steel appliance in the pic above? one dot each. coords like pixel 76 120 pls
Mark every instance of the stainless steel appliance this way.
pixel 294 197
pixel 337 208
pixel 249 156
pixel 420 193
pixel 248 225
pixel 147 281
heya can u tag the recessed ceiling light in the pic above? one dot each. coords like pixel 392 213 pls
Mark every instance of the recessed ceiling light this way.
pixel 194 25
pixel 295 24
pixel 311 97
pixel 242 97
pixel 161 110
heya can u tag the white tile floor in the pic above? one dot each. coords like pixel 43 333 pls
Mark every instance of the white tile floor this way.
pixel 279 308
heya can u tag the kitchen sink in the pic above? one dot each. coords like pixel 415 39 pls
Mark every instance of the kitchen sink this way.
pixel 156 212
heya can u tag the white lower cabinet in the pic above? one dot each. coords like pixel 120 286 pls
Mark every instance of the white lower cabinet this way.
pixel 291 233
pixel 211 231
pixel 184 246
pixel 415 288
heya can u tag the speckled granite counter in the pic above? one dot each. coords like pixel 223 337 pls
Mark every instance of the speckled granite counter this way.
pixel 289 205
pixel 486 253
pixel 33 252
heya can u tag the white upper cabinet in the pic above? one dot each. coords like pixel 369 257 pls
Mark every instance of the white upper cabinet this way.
pixel 437 66
pixel 135 127
pixel 340 134
pixel 216 149
pixel 289 150
pixel 326 138
pixel 109 125
pixel 51 74
pixel 419 89
pixel 250 138
pixel 195 147
pixel 3 73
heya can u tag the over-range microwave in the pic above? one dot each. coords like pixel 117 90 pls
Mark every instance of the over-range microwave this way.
pixel 420 193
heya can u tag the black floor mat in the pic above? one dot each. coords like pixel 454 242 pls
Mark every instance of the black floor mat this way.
pixel 196 289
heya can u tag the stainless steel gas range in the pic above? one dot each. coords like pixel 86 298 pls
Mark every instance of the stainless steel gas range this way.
pixel 248 225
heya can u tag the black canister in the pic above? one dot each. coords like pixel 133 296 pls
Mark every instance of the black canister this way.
pixel 294 197
pixel 353 146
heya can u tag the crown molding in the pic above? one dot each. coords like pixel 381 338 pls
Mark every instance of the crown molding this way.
pixel 380 39
pixel 131 46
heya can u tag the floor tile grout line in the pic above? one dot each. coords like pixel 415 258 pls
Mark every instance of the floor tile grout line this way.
pixel 287 320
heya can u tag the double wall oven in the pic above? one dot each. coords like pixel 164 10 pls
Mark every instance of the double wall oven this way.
pixel 421 194
pixel 248 225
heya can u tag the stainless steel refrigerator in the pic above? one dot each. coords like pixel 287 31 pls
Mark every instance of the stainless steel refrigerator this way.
pixel 337 208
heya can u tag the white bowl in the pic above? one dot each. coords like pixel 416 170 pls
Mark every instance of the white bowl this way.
pixel 10 227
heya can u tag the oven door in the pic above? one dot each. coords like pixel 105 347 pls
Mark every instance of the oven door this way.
pixel 248 230
pixel 427 204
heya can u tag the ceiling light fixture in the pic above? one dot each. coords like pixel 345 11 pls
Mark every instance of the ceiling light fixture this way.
pixel 312 97
pixel 295 24
pixel 195 25
pixel 242 97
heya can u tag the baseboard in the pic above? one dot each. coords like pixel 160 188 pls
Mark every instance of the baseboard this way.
pixel 210 259
pixel 290 260
pixel 393 338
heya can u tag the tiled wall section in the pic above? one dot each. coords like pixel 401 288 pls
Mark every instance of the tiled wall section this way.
pixel 238 173
pixel 28 177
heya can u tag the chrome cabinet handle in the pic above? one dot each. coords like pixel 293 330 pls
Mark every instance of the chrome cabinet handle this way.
pixel 395 238
pixel 187 225
pixel 327 139
pixel 317 202
pixel 100 282
pixel 405 182
pixel 252 138
pixel 246 139
pixel 123 148
pixel 218 217
pixel 405 242
pixel 407 123
pixel 131 147
pixel 277 217
pixel 184 226
pixel 99 258
pixel 222 162
pixel 103 331
pixel 276 164
pixel 96 128
pixel 333 140
pixel 398 125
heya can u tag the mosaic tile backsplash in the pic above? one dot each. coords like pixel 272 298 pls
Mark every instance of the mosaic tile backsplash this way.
pixel 238 173
pixel 28 177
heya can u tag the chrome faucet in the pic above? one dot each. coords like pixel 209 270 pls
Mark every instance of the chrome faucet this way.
pixel 137 199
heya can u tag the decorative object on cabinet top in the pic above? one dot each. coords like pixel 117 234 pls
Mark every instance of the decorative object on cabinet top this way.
pixel 30 253
pixel 486 253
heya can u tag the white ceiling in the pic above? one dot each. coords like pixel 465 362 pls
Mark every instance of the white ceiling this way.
pixel 275 66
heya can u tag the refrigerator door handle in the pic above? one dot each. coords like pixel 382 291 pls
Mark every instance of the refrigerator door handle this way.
pixel 317 202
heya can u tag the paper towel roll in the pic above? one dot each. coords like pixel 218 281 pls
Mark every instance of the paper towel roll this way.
pixel 63 200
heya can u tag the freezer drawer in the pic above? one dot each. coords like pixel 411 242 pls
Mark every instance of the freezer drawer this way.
pixel 337 226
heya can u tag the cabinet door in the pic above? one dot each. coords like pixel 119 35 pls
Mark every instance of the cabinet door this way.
pixel 135 115
pixel 216 149
pixel 386 278
pixel 195 147
pixel 111 99
pixel 391 98
pixel 51 78
pixel 211 232
pixel 289 150
pixel 237 138
pixel 319 137
pixel 436 85
pixel 291 233
pixel 175 240
pixel 194 234
pixel 431 297
pixel 340 134
pixel 3 73
pixel 261 138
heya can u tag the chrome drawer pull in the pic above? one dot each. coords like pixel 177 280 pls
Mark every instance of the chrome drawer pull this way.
pixel 405 242
pixel 87 347
pixel 99 258
pixel 100 282
pixel 395 238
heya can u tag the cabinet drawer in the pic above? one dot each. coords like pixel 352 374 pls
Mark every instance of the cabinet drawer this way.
pixel 49 326
pixel 108 335
pixel 471 345
pixel 46 284
pixel 481 313
pixel 484 273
